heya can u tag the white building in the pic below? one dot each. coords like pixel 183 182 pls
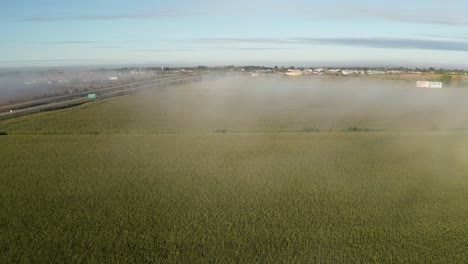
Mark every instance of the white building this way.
pixel 349 72
pixel 333 70
pixel 292 72
pixel 375 72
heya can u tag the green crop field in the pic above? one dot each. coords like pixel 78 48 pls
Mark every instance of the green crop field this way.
pixel 240 171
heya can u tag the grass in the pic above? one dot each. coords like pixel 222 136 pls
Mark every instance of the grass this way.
pixel 105 182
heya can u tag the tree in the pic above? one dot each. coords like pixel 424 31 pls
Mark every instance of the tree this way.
pixel 446 79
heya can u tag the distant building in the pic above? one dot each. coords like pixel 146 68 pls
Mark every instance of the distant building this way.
pixel 318 71
pixel 140 71
pixel 113 78
pixel 292 72
pixel 56 77
pixel 375 72
pixel 333 70
pixel 261 73
pixel 349 72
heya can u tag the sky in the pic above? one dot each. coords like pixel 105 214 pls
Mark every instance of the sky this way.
pixel 208 32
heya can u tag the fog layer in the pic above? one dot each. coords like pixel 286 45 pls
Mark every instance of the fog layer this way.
pixel 245 103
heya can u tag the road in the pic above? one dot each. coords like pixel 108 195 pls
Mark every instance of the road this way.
pixel 84 93
pixel 71 100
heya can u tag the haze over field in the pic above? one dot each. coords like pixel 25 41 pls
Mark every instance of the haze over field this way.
pixel 233 170
pixel 269 104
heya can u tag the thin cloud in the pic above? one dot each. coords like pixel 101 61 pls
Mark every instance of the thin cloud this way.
pixel 451 17
pixel 418 16
pixel 244 40
pixel 389 43
pixel 134 15
pixel 68 42
pixel 164 50
pixel 216 48
pixel 108 47
pixel 430 14
pixel 27 61
pixel 446 36
pixel 449 14
pixel 260 48
pixel 73 42
pixel 384 43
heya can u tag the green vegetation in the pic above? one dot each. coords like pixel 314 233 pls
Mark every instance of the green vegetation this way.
pixel 202 175
pixel 356 129
pixel 310 129
pixel 446 79
pixel 330 197
pixel 221 130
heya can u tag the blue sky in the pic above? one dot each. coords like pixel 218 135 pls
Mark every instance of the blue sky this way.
pixel 400 33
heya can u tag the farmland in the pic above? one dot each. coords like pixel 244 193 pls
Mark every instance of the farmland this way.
pixel 240 170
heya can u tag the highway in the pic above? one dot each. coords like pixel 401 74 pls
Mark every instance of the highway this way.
pixel 84 93
pixel 46 104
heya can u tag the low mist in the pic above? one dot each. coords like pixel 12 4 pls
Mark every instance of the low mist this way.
pixel 239 103
pixel 22 85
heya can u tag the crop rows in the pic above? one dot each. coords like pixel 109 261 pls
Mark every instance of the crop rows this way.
pixel 308 197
